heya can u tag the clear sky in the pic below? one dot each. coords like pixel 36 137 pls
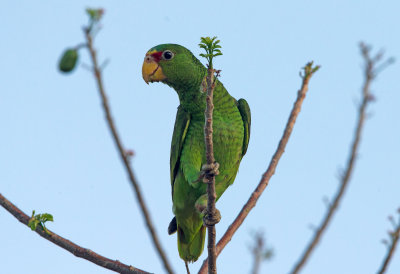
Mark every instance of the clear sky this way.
pixel 57 155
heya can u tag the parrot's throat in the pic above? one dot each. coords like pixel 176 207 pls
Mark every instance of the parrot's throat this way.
pixel 191 97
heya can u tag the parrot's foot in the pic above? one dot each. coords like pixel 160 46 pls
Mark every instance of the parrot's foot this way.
pixel 173 227
pixel 211 218
pixel 208 170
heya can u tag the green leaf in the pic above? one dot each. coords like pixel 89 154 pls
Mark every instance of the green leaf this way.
pixel 211 47
pixel 68 60
pixel 95 14
pixel 46 217
pixel 40 219
pixel 91 12
pixel 268 254
pixel 33 223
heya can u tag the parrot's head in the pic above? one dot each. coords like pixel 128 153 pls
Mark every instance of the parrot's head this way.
pixel 172 64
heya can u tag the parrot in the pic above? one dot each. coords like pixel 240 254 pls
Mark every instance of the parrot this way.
pixel 176 66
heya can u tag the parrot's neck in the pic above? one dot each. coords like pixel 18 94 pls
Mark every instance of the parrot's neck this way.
pixel 193 100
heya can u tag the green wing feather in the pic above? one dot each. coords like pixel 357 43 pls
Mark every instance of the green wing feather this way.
pixel 244 110
pixel 182 122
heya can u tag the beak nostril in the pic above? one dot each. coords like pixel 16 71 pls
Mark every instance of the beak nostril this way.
pixel 151 70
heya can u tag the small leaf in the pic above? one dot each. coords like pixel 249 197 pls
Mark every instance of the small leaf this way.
pixel 315 69
pixel 212 49
pixel 33 223
pixel 91 12
pixel 268 254
pixel 40 219
pixel 95 14
pixel 46 217
pixel 68 60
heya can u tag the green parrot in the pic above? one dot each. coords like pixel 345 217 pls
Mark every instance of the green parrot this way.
pixel 177 67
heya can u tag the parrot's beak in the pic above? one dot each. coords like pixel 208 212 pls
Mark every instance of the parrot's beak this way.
pixel 151 70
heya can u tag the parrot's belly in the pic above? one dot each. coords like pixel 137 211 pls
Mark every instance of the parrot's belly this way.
pixel 228 144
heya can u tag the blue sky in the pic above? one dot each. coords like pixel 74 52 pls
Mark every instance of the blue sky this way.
pixel 57 154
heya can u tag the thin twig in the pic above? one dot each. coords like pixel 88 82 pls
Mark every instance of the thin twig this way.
pixel 369 74
pixel 260 251
pixel 309 71
pixel 122 152
pixel 257 253
pixel 394 238
pixel 75 249
pixel 211 195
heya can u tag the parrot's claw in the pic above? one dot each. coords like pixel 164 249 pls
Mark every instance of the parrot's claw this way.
pixel 207 171
pixel 211 169
pixel 211 219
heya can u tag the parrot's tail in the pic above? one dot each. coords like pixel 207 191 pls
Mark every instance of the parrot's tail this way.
pixel 191 251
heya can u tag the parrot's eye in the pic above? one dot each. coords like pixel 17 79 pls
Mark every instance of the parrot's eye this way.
pixel 167 55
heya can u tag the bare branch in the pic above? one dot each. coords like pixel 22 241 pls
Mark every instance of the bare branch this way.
pixel 369 74
pixel 124 156
pixel 394 238
pixel 208 137
pixel 309 70
pixel 260 251
pixel 78 251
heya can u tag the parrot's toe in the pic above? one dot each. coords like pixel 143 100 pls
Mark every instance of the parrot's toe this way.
pixel 211 219
pixel 211 169
pixel 208 170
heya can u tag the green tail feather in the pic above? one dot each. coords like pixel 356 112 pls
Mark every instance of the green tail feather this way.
pixel 191 251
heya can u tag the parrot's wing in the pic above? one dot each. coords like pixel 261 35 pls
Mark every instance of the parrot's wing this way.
pixel 244 110
pixel 180 129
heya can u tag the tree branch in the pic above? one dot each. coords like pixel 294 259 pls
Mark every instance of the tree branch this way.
pixel 211 195
pixel 212 216
pixel 370 73
pixel 123 153
pixel 394 238
pixel 309 70
pixel 70 246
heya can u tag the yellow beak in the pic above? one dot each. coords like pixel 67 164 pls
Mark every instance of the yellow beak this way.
pixel 151 70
